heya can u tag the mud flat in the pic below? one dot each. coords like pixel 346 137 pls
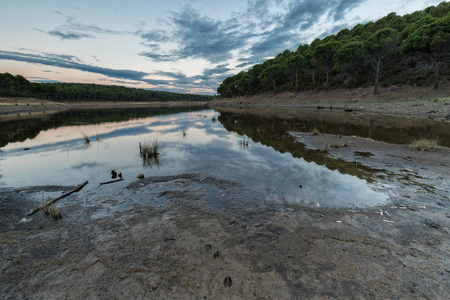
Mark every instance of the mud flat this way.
pixel 193 236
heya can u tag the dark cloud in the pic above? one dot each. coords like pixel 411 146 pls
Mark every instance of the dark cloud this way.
pixel 69 35
pixel 155 36
pixel 203 37
pixel 157 56
pixel 70 62
pixel 73 30
pixel 197 36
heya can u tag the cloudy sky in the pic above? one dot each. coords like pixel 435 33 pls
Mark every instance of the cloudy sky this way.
pixel 186 46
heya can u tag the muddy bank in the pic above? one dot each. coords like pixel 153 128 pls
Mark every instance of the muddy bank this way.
pixel 400 101
pixel 194 236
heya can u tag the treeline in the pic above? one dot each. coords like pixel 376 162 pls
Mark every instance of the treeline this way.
pixel 19 86
pixel 412 49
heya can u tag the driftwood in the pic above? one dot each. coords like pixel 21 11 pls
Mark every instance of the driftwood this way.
pixel 79 187
pixel 112 181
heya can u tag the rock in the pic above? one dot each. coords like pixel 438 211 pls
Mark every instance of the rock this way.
pixel 140 176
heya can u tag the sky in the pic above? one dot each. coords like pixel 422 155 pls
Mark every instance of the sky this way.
pixel 184 46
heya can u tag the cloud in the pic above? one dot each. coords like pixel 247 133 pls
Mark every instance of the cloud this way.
pixel 69 35
pixel 196 36
pixel 158 36
pixel 292 19
pixel 73 30
pixel 71 62
pixel 177 81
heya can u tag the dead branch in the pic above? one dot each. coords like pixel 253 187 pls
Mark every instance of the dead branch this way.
pixel 112 181
pixel 79 187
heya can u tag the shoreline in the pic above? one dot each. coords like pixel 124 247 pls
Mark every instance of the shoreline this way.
pixel 407 101
pixel 13 108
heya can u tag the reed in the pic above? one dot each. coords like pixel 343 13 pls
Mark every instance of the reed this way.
pixel 149 152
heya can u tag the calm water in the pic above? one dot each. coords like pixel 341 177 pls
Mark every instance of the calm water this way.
pixel 212 145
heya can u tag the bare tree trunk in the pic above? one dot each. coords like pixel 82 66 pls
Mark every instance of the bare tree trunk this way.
pixel 378 64
pixel 328 81
pixel 296 80
pixel 436 75
pixel 314 81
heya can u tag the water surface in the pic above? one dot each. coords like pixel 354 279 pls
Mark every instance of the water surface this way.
pixel 201 141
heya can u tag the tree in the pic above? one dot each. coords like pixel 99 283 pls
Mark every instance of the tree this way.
pixel 377 47
pixel 325 55
pixel 348 58
pixel 270 76
pixel 432 39
pixel 293 67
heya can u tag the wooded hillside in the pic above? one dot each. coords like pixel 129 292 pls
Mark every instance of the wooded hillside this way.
pixel 19 86
pixel 413 49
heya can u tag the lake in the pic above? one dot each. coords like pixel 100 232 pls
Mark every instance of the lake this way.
pixel 251 150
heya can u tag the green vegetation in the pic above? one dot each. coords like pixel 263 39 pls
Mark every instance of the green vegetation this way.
pixel 19 86
pixel 424 144
pixel 395 50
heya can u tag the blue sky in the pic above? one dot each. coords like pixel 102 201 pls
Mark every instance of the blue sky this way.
pixel 186 46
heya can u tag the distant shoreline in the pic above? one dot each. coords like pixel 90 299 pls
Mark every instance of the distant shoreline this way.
pixel 404 101
pixel 12 108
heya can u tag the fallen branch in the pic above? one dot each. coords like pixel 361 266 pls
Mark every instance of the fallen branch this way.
pixel 79 187
pixel 112 181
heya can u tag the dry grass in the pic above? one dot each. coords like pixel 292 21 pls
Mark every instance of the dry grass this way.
pixel 51 209
pixel 425 144
pixel 315 131
pixel 244 142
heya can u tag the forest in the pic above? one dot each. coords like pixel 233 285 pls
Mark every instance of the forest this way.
pixel 413 49
pixel 19 86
